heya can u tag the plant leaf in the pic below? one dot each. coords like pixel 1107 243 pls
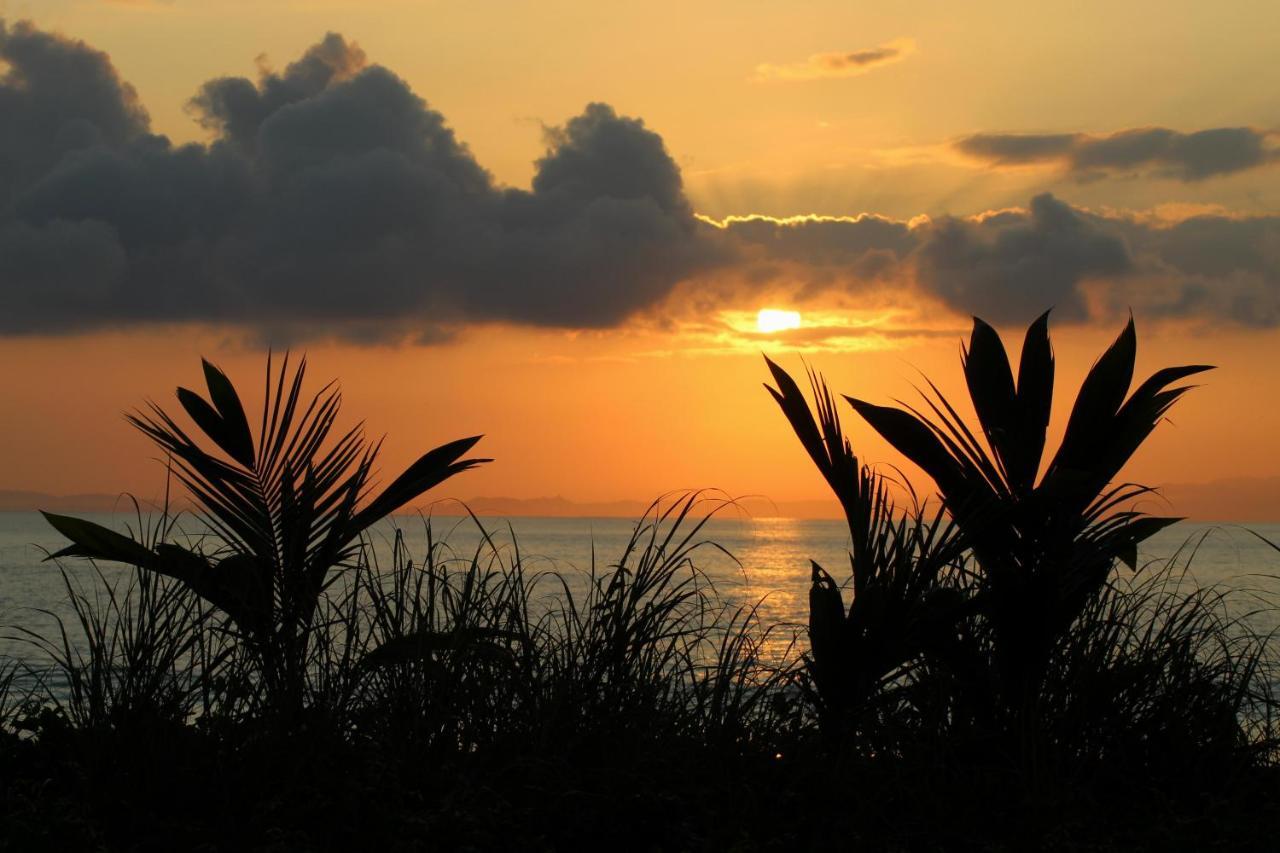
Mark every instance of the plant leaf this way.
pixel 239 439
pixel 913 439
pixel 432 468
pixel 990 381
pixel 1035 404
pixel 97 542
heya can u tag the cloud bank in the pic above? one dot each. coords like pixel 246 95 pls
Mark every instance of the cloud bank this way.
pixel 837 63
pixel 1157 151
pixel 1008 265
pixel 332 201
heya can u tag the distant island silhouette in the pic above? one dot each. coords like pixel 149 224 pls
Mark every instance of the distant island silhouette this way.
pixel 1241 499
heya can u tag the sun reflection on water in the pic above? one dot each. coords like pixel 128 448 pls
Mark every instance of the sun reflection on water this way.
pixel 775 555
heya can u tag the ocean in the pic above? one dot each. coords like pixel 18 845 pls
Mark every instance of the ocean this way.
pixel 762 561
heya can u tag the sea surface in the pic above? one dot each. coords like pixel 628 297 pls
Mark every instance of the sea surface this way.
pixel 752 561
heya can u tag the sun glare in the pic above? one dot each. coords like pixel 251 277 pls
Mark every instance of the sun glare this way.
pixel 773 320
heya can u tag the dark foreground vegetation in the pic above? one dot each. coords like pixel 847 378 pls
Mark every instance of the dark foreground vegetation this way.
pixel 998 672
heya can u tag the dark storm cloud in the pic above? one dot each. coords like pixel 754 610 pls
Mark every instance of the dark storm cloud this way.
pixel 333 201
pixel 1158 150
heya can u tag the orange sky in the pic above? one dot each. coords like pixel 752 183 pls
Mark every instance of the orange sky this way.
pixel 593 417
pixel 667 394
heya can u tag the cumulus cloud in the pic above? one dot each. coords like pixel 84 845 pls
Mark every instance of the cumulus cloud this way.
pixel 236 107
pixel 1007 266
pixel 1155 150
pixel 333 201
pixel 57 97
pixel 837 63
pixel 1211 266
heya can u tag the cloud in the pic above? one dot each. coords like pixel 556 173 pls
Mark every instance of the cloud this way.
pixel 1211 266
pixel 332 201
pixel 1017 149
pixel 235 107
pixel 836 64
pixel 1154 150
pixel 57 96
pixel 1007 266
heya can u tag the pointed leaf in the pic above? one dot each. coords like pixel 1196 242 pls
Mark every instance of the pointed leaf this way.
pixel 791 400
pixel 239 440
pixel 97 542
pixel 913 439
pixel 1100 396
pixel 433 468
pixel 1035 402
pixel 825 444
pixel 826 616
pixel 990 381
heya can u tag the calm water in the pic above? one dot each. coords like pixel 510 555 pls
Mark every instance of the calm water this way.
pixel 772 557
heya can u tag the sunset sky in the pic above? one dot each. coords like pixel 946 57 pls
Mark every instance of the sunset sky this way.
pixel 554 223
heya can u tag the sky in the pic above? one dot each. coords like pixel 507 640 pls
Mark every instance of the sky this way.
pixel 554 223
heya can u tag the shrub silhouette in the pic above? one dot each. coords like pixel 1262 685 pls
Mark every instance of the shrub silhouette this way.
pixel 288 507
pixel 1045 548
pixel 979 644
pixel 900 607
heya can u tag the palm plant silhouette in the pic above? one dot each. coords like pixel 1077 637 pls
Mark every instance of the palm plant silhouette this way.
pixel 1045 547
pixel 288 508
pixel 898 609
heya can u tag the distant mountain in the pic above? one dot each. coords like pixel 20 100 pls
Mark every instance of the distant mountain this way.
pixel 505 507
pixel 20 501
pixel 546 507
pixel 561 507
pixel 1242 499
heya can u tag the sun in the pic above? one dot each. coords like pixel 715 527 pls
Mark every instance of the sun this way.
pixel 773 320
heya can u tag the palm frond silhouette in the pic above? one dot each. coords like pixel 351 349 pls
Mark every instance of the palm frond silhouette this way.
pixel 898 608
pixel 288 507
pixel 1045 546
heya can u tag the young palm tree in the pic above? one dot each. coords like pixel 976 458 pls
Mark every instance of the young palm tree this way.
pixel 899 608
pixel 288 508
pixel 1046 547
